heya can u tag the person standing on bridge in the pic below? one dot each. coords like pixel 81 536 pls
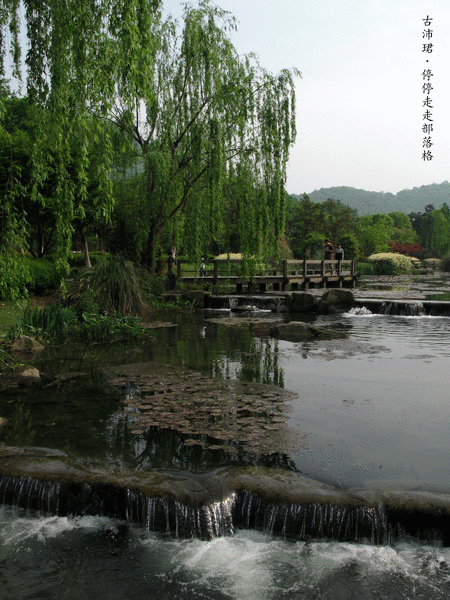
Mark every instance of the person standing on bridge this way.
pixel 329 249
pixel 339 253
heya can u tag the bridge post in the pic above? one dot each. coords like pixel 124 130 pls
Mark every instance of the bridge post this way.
pixel 285 274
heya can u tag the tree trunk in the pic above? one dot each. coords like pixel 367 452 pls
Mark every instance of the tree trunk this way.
pixel 85 247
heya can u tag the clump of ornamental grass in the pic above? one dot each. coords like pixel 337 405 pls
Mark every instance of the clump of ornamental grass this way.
pixel 390 263
pixel 120 286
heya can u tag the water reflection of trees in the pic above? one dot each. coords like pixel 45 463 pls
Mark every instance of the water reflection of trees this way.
pixel 222 351
pixel 160 448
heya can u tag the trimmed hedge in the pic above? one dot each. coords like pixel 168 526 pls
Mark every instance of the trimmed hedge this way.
pixel 390 263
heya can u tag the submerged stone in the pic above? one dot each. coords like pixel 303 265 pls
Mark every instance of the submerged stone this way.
pixel 297 331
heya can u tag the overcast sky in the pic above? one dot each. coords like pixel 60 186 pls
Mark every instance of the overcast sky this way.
pixel 360 100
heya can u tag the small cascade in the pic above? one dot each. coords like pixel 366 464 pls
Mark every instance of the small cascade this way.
pixel 375 524
pixel 415 309
pixel 33 494
pixel 406 308
pixel 180 520
pixel 319 521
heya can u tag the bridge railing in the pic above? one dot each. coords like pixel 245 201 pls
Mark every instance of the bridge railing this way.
pixel 281 273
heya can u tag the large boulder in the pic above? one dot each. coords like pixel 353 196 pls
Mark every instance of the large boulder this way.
pixel 301 302
pixel 335 301
pixel 25 343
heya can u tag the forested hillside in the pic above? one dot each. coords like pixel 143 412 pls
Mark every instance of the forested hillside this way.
pixel 368 203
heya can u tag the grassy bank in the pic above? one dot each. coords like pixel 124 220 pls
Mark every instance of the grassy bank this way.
pixel 9 311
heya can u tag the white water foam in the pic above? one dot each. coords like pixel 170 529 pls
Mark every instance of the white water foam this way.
pixel 84 558
pixel 18 525
pixel 359 311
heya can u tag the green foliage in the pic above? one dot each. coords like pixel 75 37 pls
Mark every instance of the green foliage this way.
pixel 403 230
pixel 330 219
pixel 120 286
pixel 77 260
pixel 350 244
pixel 390 263
pixel 83 56
pixel 316 242
pixel 13 276
pixel 60 322
pixel 210 116
pixel 106 328
pixel 48 322
pixel 435 233
pixel 6 360
pixel 183 111
pixel 374 233
pixel 43 275
pixel 445 264
pixel 365 268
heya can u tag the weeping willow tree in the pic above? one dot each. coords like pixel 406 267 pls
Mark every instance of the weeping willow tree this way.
pixel 206 114
pixel 81 55
pixel 184 108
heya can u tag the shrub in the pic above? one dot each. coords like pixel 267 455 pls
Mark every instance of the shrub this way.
pixel 445 263
pixel 390 263
pixel 43 275
pixel 366 268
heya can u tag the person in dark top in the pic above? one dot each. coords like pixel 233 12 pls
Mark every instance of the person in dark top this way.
pixel 170 262
pixel 339 252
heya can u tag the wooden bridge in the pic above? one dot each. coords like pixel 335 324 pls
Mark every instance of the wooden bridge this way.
pixel 286 275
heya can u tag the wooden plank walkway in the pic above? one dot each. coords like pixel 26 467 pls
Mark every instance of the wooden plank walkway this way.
pixel 287 275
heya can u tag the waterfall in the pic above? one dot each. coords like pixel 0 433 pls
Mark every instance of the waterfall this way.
pixel 245 510
pixel 180 520
pixel 406 308
pixel 319 521
pixel 29 493
pixel 415 309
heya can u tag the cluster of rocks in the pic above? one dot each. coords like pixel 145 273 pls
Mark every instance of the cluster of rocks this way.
pixel 333 301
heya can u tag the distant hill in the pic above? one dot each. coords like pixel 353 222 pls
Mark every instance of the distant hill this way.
pixel 368 203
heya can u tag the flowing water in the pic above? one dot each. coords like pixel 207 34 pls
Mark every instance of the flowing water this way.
pixel 371 411
pixel 48 557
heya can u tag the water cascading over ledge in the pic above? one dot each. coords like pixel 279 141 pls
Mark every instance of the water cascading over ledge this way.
pixel 357 521
pixel 404 307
